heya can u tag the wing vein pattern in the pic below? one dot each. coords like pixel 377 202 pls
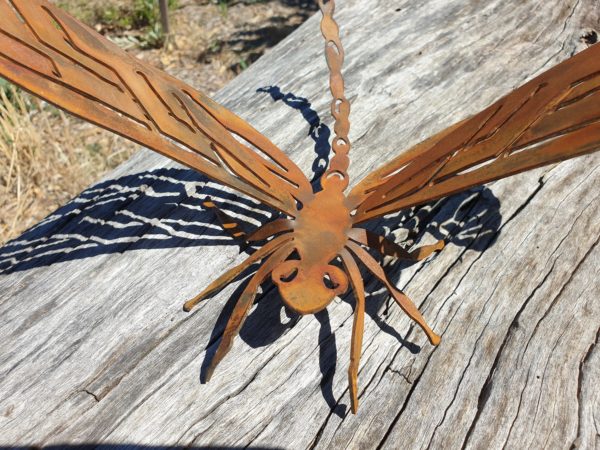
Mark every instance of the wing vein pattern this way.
pixel 54 56
pixel 551 118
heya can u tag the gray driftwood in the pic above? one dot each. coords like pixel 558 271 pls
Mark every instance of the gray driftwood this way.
pixel 94 346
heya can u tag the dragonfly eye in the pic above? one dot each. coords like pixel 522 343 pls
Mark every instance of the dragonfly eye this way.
pixel 329 283
pixel 335 279
pixel 287 278
pixel 286 272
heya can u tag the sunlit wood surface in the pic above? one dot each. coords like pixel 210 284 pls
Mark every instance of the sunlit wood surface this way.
pixel 94 345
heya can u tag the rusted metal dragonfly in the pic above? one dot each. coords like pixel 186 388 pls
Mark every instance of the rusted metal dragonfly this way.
pixel 551 118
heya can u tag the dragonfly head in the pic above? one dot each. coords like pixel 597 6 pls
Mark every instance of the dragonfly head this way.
pixel 308 290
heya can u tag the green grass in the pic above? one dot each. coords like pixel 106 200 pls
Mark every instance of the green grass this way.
pixel 12 94
pixel 114 16
pixel 224 5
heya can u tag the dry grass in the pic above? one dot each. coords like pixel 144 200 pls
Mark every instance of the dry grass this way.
pixel 46 157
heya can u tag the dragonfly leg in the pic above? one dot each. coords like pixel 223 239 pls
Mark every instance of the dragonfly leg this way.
pixel 270 229
pixel 231 226
pixel 231 274
pixel 401 299
pixel 228 223
pixel 424 251
pixel 243 305
pixel 389 248
pixel 357 327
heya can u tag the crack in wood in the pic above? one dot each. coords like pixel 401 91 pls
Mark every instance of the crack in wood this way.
pixel 459 382
pixel 413 101
pixel 557 297
pixel 229 397
pixel 95 397
pixel 451 266
pixel 404 405
pixel 485 392
pixel 584 361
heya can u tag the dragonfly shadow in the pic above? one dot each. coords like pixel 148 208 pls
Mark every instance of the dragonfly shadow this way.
pixel 147 210
pixel 163 209
pixel 318 131
pixel 470 220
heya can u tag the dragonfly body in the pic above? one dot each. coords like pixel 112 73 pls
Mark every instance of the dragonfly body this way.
pixel 320 232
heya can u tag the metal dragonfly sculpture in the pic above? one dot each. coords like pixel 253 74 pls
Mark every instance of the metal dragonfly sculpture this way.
pixel 551 118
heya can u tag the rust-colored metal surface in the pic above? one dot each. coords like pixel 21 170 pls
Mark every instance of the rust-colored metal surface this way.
pixel 312 254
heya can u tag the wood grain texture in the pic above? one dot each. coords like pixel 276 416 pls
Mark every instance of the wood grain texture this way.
pixel 94 346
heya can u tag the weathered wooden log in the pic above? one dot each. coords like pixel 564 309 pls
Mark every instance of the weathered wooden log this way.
pixel 94 346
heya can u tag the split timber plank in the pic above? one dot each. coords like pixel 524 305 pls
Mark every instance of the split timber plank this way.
pixel 94 346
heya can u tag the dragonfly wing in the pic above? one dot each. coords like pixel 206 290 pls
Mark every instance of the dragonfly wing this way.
pixel 55 57
pixel 551 118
